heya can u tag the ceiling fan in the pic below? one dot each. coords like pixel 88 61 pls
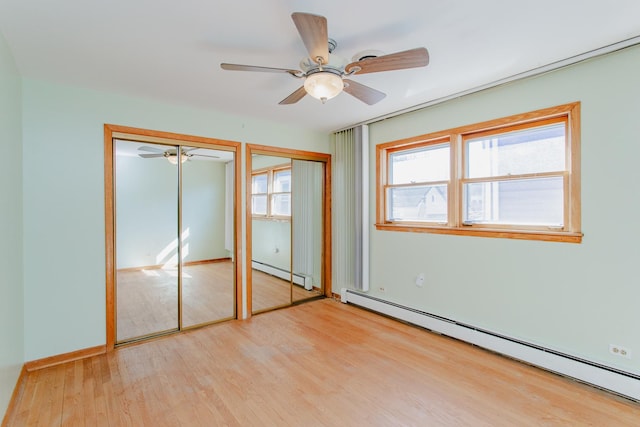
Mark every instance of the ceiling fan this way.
pixel 171 154
pixel 324 73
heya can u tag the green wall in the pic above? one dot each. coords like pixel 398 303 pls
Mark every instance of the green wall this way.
pixel 11 284
pixel 147 214
pixel 575 298
pixel 271 239
pixel 64 191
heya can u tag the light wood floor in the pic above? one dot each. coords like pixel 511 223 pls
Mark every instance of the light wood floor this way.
pixel 317 364
pixel 147 299
pixel 269 291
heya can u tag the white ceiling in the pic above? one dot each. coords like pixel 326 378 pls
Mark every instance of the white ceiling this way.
pixel 171 50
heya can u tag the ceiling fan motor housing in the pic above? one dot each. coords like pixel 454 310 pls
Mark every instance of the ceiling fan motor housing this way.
pixel 336 62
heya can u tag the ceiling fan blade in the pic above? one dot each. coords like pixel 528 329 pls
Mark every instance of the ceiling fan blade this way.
pixel 363 93
pixel 204 155
pixel 150 149
pixel 240 67
pixel 150 156
pixel 413 58
pixel 294 97
pixel 313 31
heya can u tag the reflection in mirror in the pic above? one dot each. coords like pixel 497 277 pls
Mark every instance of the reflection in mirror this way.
pixel 270 232
pixel 286 227
pixel 146 193
pixel 308 185
pixel 157 188
pixel 208 284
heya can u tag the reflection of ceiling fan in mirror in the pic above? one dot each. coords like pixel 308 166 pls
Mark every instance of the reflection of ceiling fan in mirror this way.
pixel 324 73
pixel 171 154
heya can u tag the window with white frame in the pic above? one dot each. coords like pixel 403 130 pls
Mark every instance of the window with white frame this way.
pixel 271 192
pixel 515 177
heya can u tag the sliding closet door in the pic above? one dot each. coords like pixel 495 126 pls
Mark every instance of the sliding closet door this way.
pixel 208 282
pixel 288 198
pixel 146 197
pixel 307 228
pixel 270 232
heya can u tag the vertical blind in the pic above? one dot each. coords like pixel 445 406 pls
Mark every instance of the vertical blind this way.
pixel 307 183
pixel 350 195
pixel 228 207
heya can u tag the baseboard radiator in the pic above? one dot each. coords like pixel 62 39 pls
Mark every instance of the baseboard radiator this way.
pixel 616 381
pixel 298 279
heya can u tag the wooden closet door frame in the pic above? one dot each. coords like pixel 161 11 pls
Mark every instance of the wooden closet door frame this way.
pixel 293 154
pixel 145 135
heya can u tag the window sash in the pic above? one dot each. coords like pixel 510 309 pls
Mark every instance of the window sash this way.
pixel 255 183
pixel 513 132
pixel 280 204
pixel 429 154
pixel 425 202
pixel 495 204
pixel 255 201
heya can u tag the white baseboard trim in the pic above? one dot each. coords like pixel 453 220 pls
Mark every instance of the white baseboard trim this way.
pixel 298 279
pixel 612 379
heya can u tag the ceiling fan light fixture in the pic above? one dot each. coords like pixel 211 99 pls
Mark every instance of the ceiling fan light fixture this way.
pixel 173 158
pixel 324 85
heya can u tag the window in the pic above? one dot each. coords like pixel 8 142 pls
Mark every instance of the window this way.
pixel 515 177
pixel 271 192
pixel 419 183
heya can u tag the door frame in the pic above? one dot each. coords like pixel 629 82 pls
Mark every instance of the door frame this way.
pixel 152 136
pixel 293 154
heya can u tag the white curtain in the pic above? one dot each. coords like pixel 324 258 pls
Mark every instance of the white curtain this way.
pixel 307 184
pixel 350 204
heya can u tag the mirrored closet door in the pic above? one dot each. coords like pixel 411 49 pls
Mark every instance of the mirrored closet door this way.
pixel 287 229
pixel 271 232
pixel 307 229
pixel 174 238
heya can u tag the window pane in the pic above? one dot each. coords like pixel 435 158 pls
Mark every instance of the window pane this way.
pixel 534 150
pixel 523 202
pixel 281 204
pixel 420 165
pixel 282 181
pixel 259 184
pixel 424 203
pixel 259 205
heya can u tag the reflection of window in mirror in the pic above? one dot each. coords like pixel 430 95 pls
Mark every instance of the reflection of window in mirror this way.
pixel 259 194
pixel 271 192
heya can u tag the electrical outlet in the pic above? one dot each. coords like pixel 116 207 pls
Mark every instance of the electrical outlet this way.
pixel 619 351
pixel 382 289
pixel 420 280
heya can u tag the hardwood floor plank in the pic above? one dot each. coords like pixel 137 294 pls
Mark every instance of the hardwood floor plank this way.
pixel 322 363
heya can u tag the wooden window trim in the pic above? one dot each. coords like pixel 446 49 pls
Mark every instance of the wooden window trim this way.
pixel 270 171
pixel 571 232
